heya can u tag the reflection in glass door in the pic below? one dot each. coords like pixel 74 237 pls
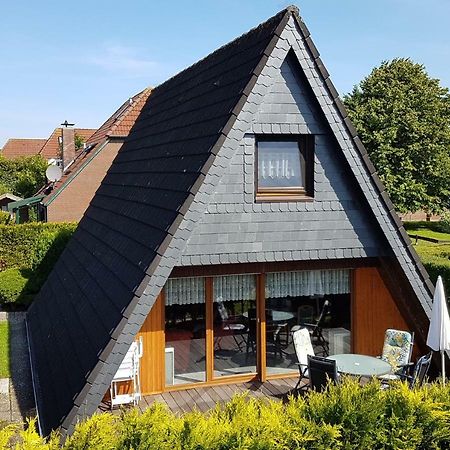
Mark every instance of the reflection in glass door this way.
pixel 318 300
pixel 235 325
pixel 185 327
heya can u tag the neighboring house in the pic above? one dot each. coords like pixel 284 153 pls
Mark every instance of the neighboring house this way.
pixel 51 150
pixel 66 200
pixel 15 148
pixel 5 199
pixel 241 200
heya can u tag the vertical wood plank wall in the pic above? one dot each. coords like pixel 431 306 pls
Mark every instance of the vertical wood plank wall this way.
pixel 374 310
pixel 152 361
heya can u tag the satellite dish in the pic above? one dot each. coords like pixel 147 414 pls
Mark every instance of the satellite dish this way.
pixel 53 173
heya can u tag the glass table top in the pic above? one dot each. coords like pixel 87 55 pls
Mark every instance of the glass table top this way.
pixel 277 315
pixel 360 365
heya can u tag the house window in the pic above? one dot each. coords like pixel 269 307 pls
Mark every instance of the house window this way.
pixel 285 168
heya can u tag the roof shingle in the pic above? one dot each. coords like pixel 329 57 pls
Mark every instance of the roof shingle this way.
pixel 51 148
pixel 128 219
pixel 15 148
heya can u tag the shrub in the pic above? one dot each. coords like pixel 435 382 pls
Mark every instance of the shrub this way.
pixel 442 226
pixel 13 285
pixel 5 218
pixel 444 223
pixel 28 253
pixel 26 245
pixel 345 416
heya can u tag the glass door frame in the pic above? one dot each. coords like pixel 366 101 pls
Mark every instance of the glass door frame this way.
pixel 261 364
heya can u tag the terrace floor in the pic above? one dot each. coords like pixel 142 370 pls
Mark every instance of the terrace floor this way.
pixel 205 398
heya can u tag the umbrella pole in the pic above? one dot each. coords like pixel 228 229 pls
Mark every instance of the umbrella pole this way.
pixel 443 367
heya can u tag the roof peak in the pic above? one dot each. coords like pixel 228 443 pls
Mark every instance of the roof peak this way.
pixel 291 10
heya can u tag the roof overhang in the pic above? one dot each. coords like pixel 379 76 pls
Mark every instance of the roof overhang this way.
pixel 13 206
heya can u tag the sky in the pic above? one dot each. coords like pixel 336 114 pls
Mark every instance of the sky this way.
pixel 80 60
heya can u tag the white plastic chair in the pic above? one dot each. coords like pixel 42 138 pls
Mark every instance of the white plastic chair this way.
pixel 303 348
pixel 129 371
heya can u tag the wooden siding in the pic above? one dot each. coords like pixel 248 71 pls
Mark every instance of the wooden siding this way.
pixel 374 310
pixel 152 361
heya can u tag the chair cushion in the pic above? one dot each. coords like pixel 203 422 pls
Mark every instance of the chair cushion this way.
pixel 397 347
pixel 302 345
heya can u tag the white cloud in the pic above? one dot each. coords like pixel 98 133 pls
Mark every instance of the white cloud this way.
pixel 128 60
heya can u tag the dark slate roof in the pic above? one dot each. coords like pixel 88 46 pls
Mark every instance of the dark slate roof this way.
pixel 88 311
pixel 101 270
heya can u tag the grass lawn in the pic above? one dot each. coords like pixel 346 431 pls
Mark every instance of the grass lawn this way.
pixel 427 229
pixel 430 234
pixel 4 350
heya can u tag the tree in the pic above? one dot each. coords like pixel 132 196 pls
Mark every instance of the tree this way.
pixel 22 176
pixel 403 118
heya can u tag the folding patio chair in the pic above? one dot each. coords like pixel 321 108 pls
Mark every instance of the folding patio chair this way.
pixel 303 349
pixel 316 330
pixel 128 372
pixel 420 371
pixel 321 372
pixel 397 351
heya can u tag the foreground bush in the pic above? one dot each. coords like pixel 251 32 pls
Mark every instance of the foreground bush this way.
pixel 346 416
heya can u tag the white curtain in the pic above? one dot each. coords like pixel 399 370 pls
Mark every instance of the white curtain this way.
pixel 185 291
pixel 234 288
pixel 188 291
pixel 279 165
pixel 307 282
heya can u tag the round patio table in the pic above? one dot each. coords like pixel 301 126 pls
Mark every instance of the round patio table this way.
pixel 360 365
pixel 277 315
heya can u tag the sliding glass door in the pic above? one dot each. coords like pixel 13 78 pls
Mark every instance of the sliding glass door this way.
pixel 318 300
pixel 237 325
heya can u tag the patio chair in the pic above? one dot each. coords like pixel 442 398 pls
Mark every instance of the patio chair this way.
pixel 128 372
pixel 321 372
pixel 229 326
pixel 303 349
pixel 316 330
pixel 273 334
pixel 251 336
pixel 420 371
pixel 397 351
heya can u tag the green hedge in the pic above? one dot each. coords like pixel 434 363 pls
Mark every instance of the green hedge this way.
pixel 28 253
pixel 26 245
pixel 346 416
pixel 441 226
pixel 5 218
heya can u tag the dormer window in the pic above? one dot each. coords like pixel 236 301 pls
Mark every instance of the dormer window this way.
pixel 285 168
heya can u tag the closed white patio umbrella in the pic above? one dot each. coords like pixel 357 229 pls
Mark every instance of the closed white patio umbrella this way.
pixel 439 332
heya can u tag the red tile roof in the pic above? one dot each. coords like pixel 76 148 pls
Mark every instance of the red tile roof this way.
pixel 118 125
pixel 22 147
pixel 51 147
pixel 121 122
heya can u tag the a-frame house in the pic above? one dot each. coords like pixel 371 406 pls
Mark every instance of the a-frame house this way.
pixel 241 200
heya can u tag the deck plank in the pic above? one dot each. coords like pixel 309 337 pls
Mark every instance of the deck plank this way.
pixel 206 398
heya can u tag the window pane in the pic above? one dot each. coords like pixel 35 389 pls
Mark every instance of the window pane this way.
pixel 234 325
pixel 280 165
pixel 185 330
pixel 318 300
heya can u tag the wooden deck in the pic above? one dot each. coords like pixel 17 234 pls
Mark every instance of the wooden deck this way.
pixel 205 398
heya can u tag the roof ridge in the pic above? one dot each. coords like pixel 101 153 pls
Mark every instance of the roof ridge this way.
pixel 128 110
